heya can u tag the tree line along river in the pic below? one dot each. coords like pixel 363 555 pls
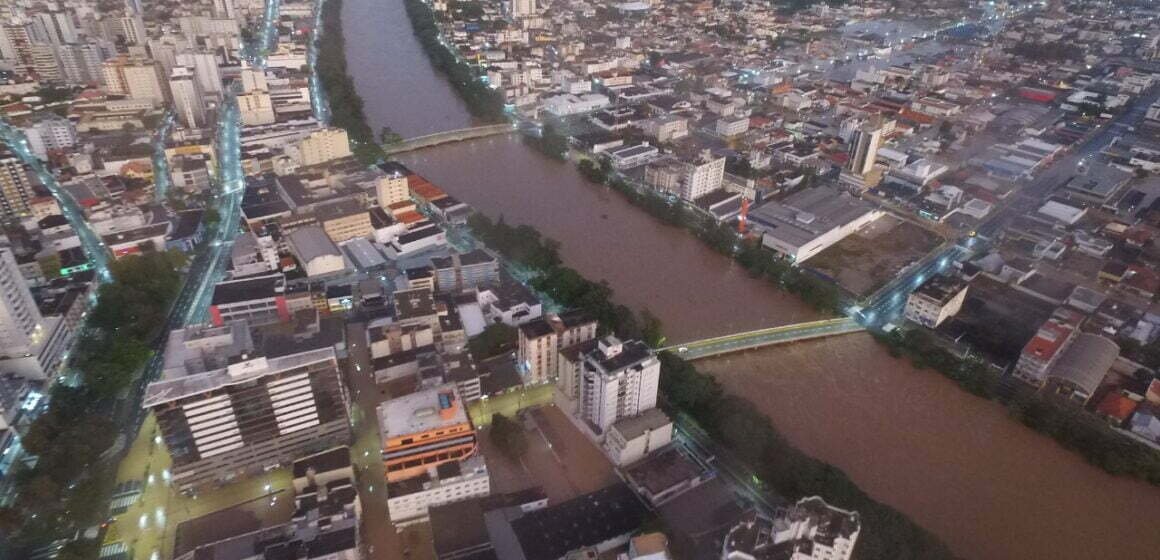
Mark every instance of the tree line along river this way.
pixel 956 464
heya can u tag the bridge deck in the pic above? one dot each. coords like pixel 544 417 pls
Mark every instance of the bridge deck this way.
pixel 765 337
pixel 437 138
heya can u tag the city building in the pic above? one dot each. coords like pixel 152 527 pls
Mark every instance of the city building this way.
pixel 465 271
pixel 542 340
pixel 322 146
pixel 811 529
pixel 807 222
pixel 1044 349
pixel 703 177
pixel 409 500
pixel 188 98
pixel 391 189
pixel 16 185
pixel 864 148
pixel 30 345
pixel 935 301
pixel 50 132
pixel 258 300
pixel 232 401
pixel 424 430
pixel 1082 366
pixel 631 439
pixel 315 251
pixel 619 380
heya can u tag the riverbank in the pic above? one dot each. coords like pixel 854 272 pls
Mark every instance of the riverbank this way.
pixel 1068 425
pixel 957 465
pixel 484 103
pixel 345 103
pixel 734 422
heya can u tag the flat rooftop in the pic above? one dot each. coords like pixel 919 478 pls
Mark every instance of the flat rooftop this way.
pixel 421 412
pixel 806 215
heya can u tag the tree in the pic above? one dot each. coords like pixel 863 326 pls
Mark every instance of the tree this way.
pixel 508 436
pixel 389 137
pixel 495 339
pixel 651 329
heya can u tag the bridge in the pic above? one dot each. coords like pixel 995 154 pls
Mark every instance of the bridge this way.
pixel 429 140
pixel 765 337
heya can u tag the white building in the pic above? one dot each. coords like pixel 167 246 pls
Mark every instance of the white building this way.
pixel 568 104
pixel 205 71
pixel 323 146
pixel 31 345
pixel 808 530
pixel 188 101
pixel 619 380
pixel 256 108
pixel 703 177
pixel 935 301
pixel 631 439
pixel 729 127
pixel 314 250
pixel 805 223
pixel 409 500
pixel 51 132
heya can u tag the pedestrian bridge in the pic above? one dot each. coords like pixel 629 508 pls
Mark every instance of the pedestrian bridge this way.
pixel 429 140
pixel 764 337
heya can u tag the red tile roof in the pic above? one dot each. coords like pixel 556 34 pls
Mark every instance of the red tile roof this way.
pixel 1116 405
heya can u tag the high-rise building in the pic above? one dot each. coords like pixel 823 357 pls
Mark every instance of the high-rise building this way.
pixel 80 64
pixel 50 132
pixel 136 77
pixel 7 46
pixel 618 380
pixel 205 70
pixel 703 177
pixel 188 101
pixel 20 320
pixel 541 340
pixel 233 401
pixel 323 146
pixel 132 29
pixel 522 8
pixel 224 9
pixel 45 63
pixel 56 27
pixel 16 180
pixel 18 38
pixel 864 147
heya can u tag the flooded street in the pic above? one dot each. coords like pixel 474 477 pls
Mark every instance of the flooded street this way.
pixel 956 464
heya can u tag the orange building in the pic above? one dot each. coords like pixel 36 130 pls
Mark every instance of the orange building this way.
pixel 424 430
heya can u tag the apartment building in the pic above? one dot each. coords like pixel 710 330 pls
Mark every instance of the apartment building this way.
pixel 1044 349
pixel 16 180
pixel 465 271
pixel 935 301
pixel 619 380
pixel 323 146
pixel 234 401
pixel 541 340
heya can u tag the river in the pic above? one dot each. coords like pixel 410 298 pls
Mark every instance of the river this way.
pixel 955 463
